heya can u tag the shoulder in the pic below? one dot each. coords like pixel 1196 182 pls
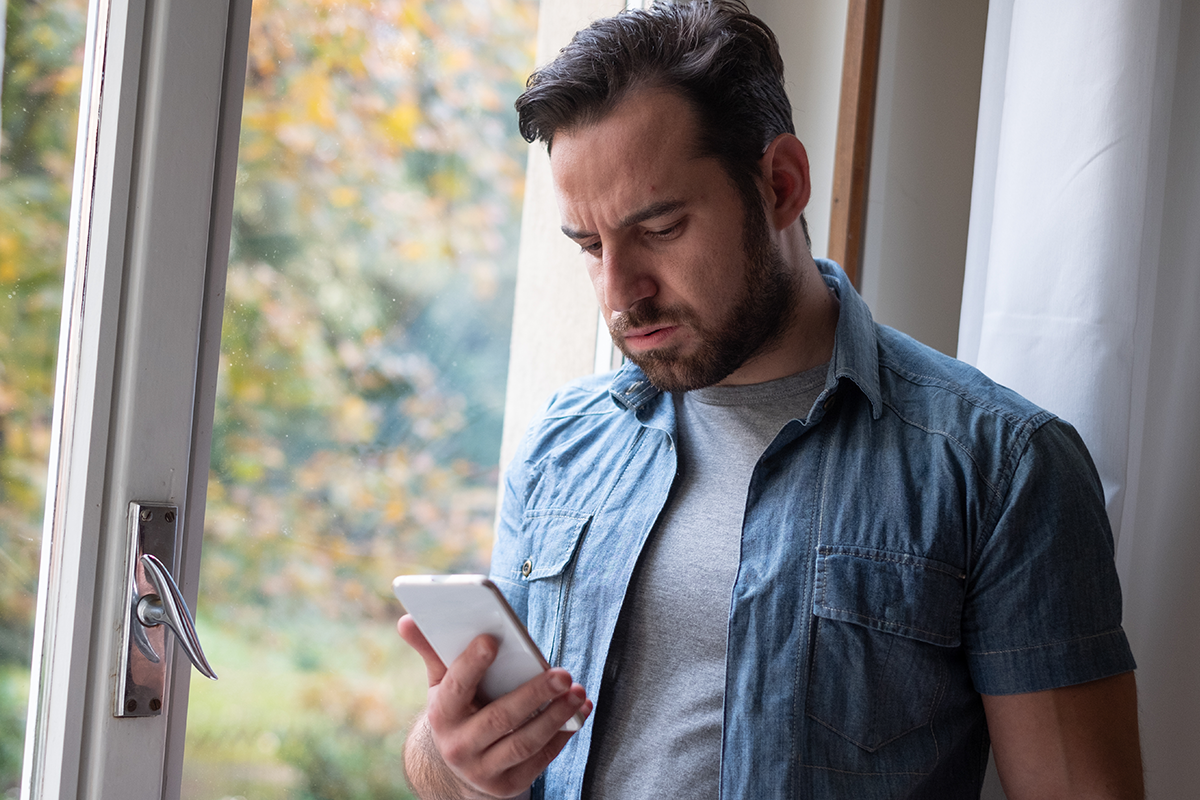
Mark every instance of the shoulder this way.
pixel 927 388
pixel 581 407
pixel 582 422
pixel 589 395
pixel 955 412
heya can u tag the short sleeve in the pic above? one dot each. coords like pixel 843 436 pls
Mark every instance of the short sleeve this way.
pixel 1043 606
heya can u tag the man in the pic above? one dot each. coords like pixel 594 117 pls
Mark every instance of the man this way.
pixel 788 552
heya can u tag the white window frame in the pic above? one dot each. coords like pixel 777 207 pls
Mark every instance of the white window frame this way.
pixel 138 350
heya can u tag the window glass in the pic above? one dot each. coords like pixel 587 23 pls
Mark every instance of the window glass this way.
pixel 360 397
pixel 39 108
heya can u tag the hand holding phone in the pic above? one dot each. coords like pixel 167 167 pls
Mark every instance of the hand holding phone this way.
pixel 456 750
pixel 452 610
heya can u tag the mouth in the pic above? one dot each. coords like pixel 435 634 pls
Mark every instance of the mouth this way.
pixel 648 337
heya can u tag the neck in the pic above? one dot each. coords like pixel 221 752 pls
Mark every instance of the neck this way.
pixel 808 339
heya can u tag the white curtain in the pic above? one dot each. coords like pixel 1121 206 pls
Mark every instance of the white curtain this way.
pixel 1082 292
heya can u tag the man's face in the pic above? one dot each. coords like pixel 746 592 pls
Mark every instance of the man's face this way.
pixel 691 284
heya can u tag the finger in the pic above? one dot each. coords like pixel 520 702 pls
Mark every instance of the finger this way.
pixel 525 773
pixel 524 726
pixel 460 683
pixel 541 731
pixel 525 770
pixel 499 717
pixel 470 743
pixel 411 634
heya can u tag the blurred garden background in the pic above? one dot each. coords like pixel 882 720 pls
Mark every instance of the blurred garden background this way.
pixel 364 355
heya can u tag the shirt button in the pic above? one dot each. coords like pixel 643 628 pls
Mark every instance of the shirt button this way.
pixel 526 568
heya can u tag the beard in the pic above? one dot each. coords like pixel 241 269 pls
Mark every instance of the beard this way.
pixel 753 322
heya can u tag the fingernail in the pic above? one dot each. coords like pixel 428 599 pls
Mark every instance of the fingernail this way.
pixel 559 682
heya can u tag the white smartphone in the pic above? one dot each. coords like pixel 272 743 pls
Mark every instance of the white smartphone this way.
pixel 451 610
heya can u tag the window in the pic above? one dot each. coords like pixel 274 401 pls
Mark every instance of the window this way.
pixel 359 404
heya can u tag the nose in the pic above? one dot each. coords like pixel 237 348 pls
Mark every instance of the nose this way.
pixel 621 279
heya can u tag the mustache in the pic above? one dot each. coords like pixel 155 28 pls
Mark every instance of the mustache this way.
pixel 646 316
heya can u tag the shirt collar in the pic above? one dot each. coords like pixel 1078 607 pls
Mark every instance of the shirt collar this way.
pixel 855 351
pixel 855 347
pixel 631 388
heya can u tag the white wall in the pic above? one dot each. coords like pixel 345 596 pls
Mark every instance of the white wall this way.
pixel 926 109
pixel 919 199
pixel 812 38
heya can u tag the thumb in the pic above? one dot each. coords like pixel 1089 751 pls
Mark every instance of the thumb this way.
pixel 411 634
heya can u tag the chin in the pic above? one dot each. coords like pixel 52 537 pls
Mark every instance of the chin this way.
pixel 682 377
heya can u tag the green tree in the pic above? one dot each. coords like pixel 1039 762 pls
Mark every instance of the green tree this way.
pixel 369 295
pixel 365 343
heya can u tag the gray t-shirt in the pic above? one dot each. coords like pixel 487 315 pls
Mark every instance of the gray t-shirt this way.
pixel 661 707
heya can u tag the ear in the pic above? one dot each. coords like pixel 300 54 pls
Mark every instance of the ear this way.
pixel 786 181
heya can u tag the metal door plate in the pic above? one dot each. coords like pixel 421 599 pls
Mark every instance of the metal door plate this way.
pixel 145 652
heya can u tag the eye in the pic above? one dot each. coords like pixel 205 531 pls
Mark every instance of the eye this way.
pixel 591 248
pixel 665 234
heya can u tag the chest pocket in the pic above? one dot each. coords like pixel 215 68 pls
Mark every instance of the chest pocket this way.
pixel 552 537
pixel 885 630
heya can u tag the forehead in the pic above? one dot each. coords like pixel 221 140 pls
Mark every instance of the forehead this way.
pixel 643 151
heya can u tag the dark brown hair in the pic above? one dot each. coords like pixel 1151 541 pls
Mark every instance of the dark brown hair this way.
pixel 714 53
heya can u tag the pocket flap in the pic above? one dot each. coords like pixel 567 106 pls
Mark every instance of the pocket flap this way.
pixel 908 595
pixel 554 536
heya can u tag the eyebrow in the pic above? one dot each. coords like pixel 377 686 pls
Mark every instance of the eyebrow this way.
pixel 658 209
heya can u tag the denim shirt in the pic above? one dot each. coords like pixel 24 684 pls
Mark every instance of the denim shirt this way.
pixel 918 537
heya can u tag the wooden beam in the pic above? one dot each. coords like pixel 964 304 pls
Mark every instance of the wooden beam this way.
pixel 856 113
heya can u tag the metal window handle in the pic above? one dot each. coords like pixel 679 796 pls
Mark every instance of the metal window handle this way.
pixel 155 606
pixel 169 608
